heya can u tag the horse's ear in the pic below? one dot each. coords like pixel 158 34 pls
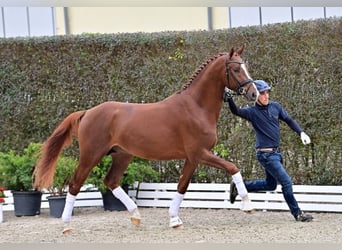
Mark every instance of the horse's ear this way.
pixel 241 49
pixel 231 52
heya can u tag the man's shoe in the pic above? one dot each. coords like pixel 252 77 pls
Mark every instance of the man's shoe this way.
pixel 233 192
pixel 303 217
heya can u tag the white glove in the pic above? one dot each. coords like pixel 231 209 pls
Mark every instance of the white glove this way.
pixel 305 138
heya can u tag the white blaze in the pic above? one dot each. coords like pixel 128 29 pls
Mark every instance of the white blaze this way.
pixel 243 66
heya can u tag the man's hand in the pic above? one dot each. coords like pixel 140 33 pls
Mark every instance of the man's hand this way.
pixel 305 138
pixel 228 94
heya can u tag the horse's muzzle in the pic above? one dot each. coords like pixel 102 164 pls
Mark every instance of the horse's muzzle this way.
pixel 251 95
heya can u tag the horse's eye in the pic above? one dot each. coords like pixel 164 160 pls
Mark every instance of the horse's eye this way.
pixel 236 70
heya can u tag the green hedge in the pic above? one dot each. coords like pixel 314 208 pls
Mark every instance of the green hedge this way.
pixel 44 79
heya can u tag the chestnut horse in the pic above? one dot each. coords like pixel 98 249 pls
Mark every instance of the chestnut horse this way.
pixel 182 126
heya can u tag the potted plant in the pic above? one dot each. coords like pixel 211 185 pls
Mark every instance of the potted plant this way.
pixel 138 170
pixel 66 166
pixel 18 169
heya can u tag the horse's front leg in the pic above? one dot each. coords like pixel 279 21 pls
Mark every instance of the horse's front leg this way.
pixel 183 183
pixel 212 160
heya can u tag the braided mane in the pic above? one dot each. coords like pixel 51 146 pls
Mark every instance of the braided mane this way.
pixel 199 70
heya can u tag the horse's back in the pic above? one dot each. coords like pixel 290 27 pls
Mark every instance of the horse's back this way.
pixel 135 112
pixel 145 130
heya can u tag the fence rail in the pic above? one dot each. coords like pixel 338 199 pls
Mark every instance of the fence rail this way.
pixel 213 195
pixel 198 195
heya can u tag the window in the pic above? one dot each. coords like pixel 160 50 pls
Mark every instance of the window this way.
pixel 15 21
pixel 41 21
pixel 333 11
pixel 248 16
pixel 2 23
pixel 275 15
pixel 27 21
pixel 307 13
pixel 244 16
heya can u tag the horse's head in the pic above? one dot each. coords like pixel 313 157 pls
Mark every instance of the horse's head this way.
pixel 238 78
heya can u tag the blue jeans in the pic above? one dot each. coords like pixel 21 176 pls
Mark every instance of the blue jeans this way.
pixel 274 173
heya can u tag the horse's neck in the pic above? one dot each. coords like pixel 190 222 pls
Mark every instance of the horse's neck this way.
pixel 207 89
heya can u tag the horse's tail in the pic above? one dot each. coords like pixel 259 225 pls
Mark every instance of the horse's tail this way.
pixel 61 137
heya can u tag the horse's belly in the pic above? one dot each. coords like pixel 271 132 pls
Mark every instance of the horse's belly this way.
pixel 154 147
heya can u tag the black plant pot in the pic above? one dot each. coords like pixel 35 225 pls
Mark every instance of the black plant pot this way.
pixel 27 203
pixel 111 203
pixel 56 205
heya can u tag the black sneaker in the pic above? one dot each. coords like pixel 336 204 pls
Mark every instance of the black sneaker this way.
pixel 233 192
pixel 303 217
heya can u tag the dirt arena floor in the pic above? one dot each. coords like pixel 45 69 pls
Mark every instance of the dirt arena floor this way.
pixel 94 225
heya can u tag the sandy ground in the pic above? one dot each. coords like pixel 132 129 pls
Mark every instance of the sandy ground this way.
pixel 94 225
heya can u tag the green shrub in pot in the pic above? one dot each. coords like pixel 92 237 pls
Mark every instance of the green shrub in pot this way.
pixel 17 169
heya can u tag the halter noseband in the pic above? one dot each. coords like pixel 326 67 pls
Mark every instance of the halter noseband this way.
pixel 239 89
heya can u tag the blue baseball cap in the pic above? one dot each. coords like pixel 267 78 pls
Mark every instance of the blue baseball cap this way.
pixel 262 85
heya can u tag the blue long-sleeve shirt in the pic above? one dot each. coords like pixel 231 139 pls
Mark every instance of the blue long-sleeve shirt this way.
pixel 265 121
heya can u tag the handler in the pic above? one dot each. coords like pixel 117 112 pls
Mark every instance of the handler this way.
pixel 264 117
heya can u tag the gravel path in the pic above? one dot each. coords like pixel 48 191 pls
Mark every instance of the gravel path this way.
pixel 93 224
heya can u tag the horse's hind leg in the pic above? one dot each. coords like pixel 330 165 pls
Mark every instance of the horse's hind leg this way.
pixel 86 163
pixel 120 161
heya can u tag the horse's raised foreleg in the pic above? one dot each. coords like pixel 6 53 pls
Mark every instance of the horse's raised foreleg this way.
pixel 246 205
pixel 120 163
pixel 183 183
pixel 212 160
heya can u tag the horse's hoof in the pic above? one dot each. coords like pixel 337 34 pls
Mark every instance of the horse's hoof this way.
pixel 135 221
pixel 178 227
pixel 246 205
pixel 176 222
pixel 67 231
pixel 136 217
pixel 249 211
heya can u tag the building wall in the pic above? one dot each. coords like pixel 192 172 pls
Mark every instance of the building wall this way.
pixel 39 21
pixel 138 19
pixel 155 19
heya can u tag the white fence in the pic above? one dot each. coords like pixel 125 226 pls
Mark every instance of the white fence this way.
pixel 198 195
pixel 214 195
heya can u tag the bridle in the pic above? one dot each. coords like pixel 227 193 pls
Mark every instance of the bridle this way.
pixel 239 90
